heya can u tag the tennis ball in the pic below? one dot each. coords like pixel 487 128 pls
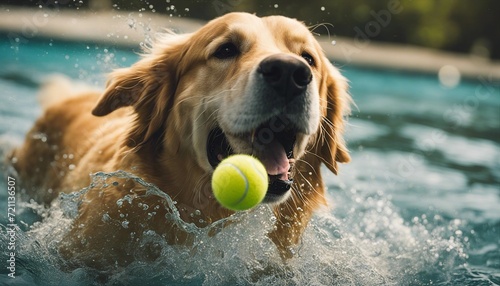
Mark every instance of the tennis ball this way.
pixel 240 182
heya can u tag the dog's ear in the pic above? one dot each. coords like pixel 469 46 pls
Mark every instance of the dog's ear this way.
pixel 124 88
pixel 148 86
pixel 334 90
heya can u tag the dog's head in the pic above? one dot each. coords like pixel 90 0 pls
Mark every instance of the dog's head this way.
pixel 240 84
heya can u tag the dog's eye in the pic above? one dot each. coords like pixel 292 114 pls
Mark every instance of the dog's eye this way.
pixel 309 59
pixel 226 51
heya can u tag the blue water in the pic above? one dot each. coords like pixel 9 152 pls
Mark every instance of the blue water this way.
pixel 418 205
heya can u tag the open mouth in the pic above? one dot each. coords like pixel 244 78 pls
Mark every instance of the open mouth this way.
pixel 273 148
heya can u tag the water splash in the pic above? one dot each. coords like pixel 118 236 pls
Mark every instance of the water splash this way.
pixel 364 243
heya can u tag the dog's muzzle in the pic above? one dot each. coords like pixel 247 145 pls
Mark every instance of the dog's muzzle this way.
pixel 218 148
pixel 271 133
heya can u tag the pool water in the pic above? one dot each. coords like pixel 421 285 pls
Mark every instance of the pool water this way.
pixel 418 205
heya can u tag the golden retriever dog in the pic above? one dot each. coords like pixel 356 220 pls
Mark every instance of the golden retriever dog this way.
pixel 240 84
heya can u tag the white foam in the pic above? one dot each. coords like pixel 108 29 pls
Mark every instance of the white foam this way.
pixel 363 241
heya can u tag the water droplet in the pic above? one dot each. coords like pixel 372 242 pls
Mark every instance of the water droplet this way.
pixel 66 57
pixel 149 232
pixel 334 42
pixel 187 9
pixel 131 23
pixel 105 217
pixel 125 223
pixel 276 5
pixel 337 234
pixel 322 8
pixel 40 136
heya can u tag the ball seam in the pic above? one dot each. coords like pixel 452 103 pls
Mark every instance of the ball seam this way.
pixel 247 185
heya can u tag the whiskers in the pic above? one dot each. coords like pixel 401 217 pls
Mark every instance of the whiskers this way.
pixel 327 27
pixel 306 191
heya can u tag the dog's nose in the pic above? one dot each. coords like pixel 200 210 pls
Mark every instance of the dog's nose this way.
pixel 288 75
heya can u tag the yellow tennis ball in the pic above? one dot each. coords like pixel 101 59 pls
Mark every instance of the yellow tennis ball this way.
pixel 240 182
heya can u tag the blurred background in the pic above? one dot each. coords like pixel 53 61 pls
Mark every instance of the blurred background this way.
pixel 418 205
pixel 452 25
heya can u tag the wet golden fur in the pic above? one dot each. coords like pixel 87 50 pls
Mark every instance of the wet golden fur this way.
pixel 149 122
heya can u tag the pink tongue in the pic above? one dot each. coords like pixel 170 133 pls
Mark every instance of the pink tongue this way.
pixel 274 158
